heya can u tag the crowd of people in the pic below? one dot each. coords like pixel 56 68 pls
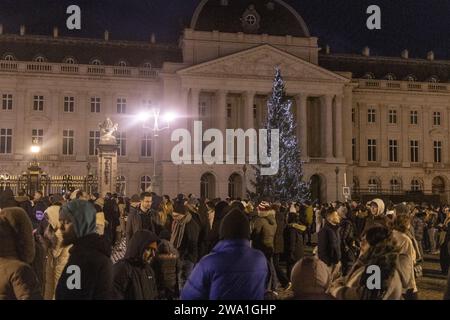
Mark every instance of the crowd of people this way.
pixel 211 249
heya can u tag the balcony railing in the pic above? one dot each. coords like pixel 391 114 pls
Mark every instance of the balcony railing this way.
pixel 61 68
pixel 403 85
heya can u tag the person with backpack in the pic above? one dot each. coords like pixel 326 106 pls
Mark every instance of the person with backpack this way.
pixel 134 278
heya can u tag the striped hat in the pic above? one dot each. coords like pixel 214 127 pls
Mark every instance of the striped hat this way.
pixel 264 206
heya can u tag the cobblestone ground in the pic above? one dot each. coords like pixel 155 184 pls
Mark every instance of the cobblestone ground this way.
pixel 431 286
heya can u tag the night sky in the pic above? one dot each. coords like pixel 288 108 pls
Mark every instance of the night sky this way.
pixel 419 26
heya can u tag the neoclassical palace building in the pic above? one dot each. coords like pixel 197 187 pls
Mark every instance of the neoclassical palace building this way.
pixel 376 124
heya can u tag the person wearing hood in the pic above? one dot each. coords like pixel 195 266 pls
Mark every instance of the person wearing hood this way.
pixel 293 239
pixel 233 270
pixel 57 254
pixel 184 237
pixel 377 249
pixel 263 238
pixel 347 236
pixel 24 202
pixel 376 215
pixel 329 242
pixel 220 211
pixel 166 266
pixel 134 278
pixel 89 253
pixel 18 280
pixel 310 279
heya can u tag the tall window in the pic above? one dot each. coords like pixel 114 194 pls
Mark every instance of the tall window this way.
pixel 68 140
pixel 229 110
pixel 122 143
pixel 146 183
pixel 94 140
pixel 353 115
pixel 254 112
pixel 146 145
pixel 354 149
pixel 37 136
pixel 7 102
pixel 69 104
pixel 121 105
pixel 38 103
pixel 395 185
pixel 392 116
pixel 393 150
pixel 413 117
pixel 416 185
pixel 95 104
pixel 414 148
pixel 202 109
pixel 436 118
pixel 437 151
pixel 372 150
pixel 374 185
pixel 5 141
pixel 371 116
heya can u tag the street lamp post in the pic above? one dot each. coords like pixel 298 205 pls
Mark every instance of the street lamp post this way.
pixel 155 115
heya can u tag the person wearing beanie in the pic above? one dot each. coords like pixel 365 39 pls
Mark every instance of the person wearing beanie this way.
pixel 134 278
pixel 18 280
pixel 233 270
pixel 310 279
pixel 89 252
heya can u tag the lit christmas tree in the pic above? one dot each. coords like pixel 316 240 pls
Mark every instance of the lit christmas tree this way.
pixel 287 185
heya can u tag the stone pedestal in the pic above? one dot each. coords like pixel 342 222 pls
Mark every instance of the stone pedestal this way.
pixel 107 168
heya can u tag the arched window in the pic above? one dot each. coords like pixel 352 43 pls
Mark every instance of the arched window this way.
pixel 146 183
pixel 121 185
pixel 374 185
pixel 69 60
pixel 207 186
pixel 96 62
pixel 433 79
pixel 416 185
pixel 39 59
pixel 235 186
pixel 369 76
pixel 395 185
pixel 411 78
pixel 9 57
pixel 122 63
pixel 390 77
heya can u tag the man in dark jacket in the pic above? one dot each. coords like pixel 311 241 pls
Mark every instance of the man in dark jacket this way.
pixel 294 240
pixel 184 238
pixel 142 217
pixel 23 201
pixel 278 244
pixel 329 246
pixel 88 273
pixel 233 270
pixel 134 278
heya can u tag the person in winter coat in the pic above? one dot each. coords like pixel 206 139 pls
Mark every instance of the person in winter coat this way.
pixel 444 242
pixel 23 201
pixel 278 244
pixel 310 279
pixel 329 246
pixel 57 254
pixel 233 270
pixel 220 211
pixel 418 226
pixel 199 214
pixel 166 265
pixel 405 244
pixel 376 215
pixel 263 236
pixel 293 240
pixel 166 213
pixel 184 237
pixel 347 237
pixel 134 278
pixel 377 249
pixel 39 207
pixel 18 281
pixel 142 217
pixel 361 214
pixel 89 252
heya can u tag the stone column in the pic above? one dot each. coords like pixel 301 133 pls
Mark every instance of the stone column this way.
pixel 338 134
pixel 302 123
pixel 195 116
pixel 405 137
pixel 19 132
pixel 383 144
pixel 347 124
pixel 221 110
pixel 426 143
pixel 249 103
pixel 327 122
pixel 362 110
pixel 83 108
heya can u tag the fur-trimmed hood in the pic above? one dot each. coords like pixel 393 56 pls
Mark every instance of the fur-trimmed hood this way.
pixel 16 235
